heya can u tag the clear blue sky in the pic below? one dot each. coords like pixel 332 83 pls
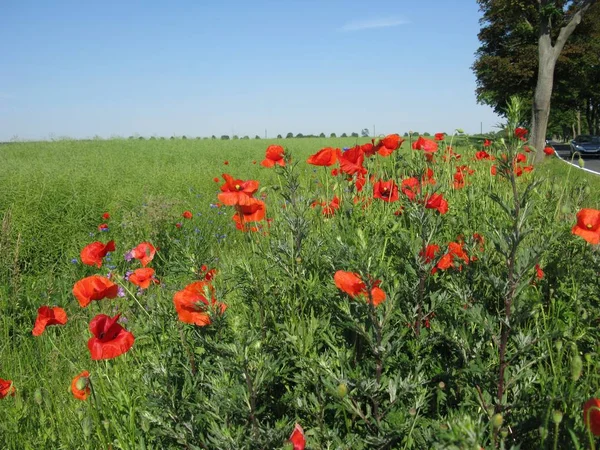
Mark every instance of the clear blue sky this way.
pixel 200 67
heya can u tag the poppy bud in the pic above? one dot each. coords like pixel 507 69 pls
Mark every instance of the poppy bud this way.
pixel 504 433
pixel 342 390
pixel 565 209
pixel 145 424
pixel 576 366
pixel 557 416
pixel 460 130
pixel 86 425
pixel 37 396
pixel 586 190
pixel 82 383
pixel 497 420
pixel 581 163
pixel 588 358
pixel 543 432
pixel 558 345
pixel 288 446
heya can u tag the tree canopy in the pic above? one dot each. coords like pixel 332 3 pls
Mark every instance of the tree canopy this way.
pixel 507 60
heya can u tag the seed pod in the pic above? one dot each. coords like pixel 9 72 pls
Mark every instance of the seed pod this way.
pixel 557 416
pixel 576 367
pixel 342 390
pixel 37 396
pixel 497 420
pixel 86 425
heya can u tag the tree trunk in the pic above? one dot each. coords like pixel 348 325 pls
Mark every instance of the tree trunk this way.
pixel 543 92
pixel 547 56
pixel 588 116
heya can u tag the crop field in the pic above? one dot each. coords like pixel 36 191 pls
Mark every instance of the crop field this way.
pixel 329 294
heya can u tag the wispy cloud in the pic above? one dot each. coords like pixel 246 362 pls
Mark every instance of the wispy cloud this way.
pixel 367 24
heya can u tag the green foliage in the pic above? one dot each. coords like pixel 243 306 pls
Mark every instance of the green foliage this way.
pixel 420 370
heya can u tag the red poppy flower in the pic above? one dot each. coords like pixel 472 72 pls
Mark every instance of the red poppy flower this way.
pixel 429 254
pixel 465 168
pixel 48 316
pixel 388 144
pixel 106 216
pixel 192 305
pixel 493 170
pixel 216 179
pixel 253 211
pixel 437 201
pixel 368 148
pixel 210 274
pixel 274 155
pixel 480 240
pixel 324 157
pixel 429 157
pixel 351 161
pixel 520 157
pixel 527 169
pixel 459 180
pixel 297 438
pixel 455 251
pixel 386 191
pixel 588 225
pixel 95 287
pixel 93 253
pixel 110 338
pixel 103 227
pixel 424 144
pixel 539 273
pixel 237 192
pixel 439 136
pixel 226 163
pixel 427 177
pixel 144 252
pixel 330 209
pixel 187 215
pixel 143 277
pixel 591 415
pixel 351 284
pixel 335 172
pixel 487 143
pixel 549 151
pixel 178 225
pixel 527 149
pixel 521 133
pixel 482 154
pixel 6 388
pixel 80 386
pixel 410 187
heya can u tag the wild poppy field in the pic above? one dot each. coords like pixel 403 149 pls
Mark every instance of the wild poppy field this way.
pixel 349 294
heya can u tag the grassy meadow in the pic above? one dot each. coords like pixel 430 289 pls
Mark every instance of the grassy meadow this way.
pixel 495 350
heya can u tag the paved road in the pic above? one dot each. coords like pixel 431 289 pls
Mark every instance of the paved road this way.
pixel 591 162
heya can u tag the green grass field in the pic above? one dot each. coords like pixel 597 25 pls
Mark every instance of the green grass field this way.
pixel 308 352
